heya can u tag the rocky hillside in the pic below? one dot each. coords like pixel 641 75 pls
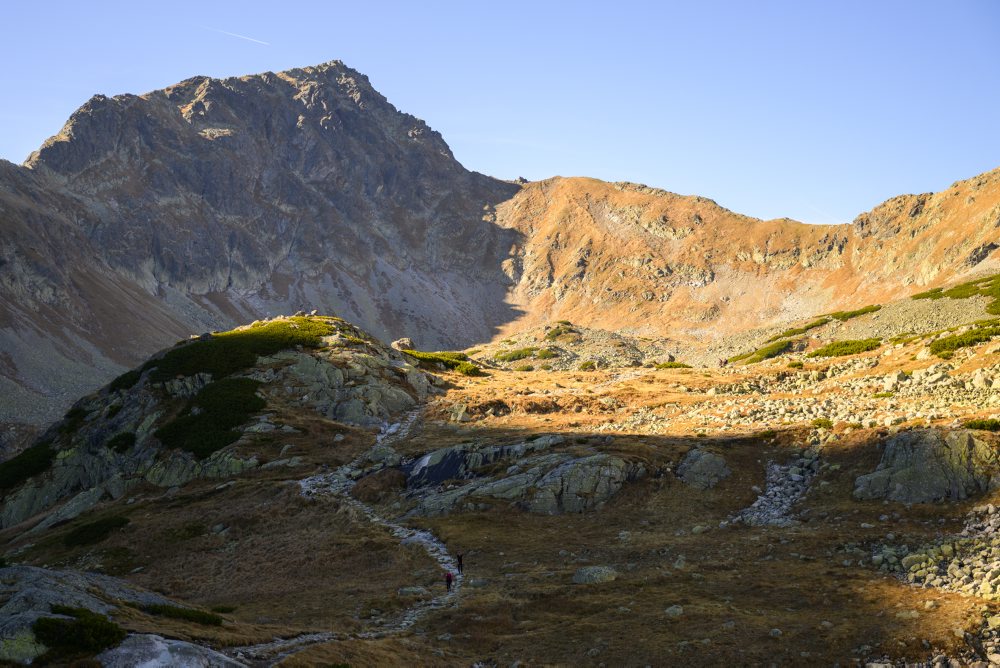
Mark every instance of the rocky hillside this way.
pixel 213 202
pixel 292 492
pixel 218 201
pixel 629 258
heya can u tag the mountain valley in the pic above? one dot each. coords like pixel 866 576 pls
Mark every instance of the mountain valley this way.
pixel 273 363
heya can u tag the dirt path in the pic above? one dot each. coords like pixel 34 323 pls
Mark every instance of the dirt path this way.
pixel 339 484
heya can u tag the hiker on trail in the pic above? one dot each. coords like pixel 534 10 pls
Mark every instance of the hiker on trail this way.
pixel 448 577
pixel 458 558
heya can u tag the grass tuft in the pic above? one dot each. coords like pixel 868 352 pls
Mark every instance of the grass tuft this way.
pixel 672 365
pixel 823 423
pixel 589 365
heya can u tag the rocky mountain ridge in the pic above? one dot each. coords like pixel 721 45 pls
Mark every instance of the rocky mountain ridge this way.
pixel 217 201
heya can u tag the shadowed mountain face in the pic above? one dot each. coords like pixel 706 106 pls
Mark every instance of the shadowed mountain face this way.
pixel 215 202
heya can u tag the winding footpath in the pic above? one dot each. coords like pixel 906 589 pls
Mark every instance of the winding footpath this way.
pixel 339 483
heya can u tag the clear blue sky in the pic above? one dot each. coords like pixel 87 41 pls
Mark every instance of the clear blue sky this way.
pixel 812 110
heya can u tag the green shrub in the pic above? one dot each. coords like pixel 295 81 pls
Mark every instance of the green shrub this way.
pixel 524 367
pixel 988 286
pixel 843 316
pixel 85 633
pixel 187 614
pixel 224 405
pixel 673 365
pixel 122 442
pixel 561 329
pixel 546 367
pixel 822 423
pixel 795 365
pixel 469 369
pixel 564 322
pixel 589 365
pixel 225 353
pixel 546 354
pixel 72 421
pixel 883 395
pixel 799 330
pixel 761 354
pixel 444 358
pixel 94 532
pixel 514 355
pixel 125 381
pixel 30 462
pixel 849 347
pixel 946 346
pixel 989 424
pixel 933 293
pixel 223 609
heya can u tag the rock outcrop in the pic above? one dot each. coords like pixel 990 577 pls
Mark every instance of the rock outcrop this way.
pixel 146 649
pixel 28 593
pixel 536 480
pixel 112 440
pixel 932 465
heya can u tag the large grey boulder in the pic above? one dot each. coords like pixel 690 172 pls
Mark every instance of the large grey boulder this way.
pixel 931 465
pixel 702 469
pixel 152 651
pixel 539 482
pixel 462 461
